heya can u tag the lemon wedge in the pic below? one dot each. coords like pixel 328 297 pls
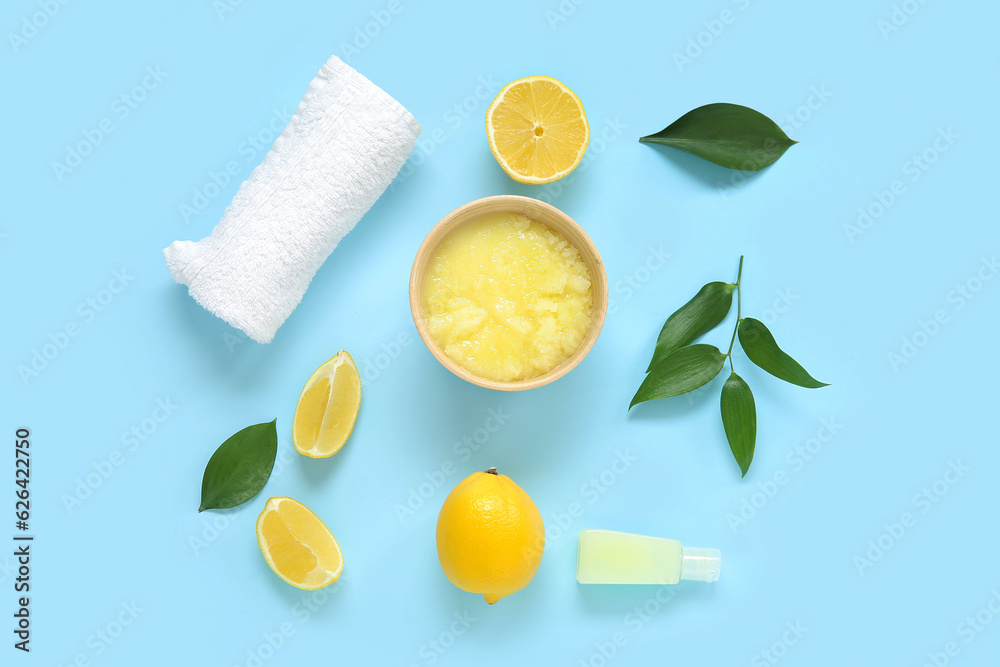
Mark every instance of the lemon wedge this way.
pixel 537 129
pixel 297 545
pixel 327 408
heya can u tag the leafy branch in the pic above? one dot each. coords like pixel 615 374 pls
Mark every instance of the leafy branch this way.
pixel 678 366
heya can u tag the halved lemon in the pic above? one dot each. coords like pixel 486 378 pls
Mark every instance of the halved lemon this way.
pixel 537 129
pixel 327 408
pixel 297 545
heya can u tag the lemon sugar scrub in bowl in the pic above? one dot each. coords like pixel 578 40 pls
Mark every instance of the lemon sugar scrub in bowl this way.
pixel 508 292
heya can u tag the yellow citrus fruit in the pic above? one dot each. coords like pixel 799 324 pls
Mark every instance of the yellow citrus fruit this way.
pixel 327 408
pixel 297 545
pixel 490 536
pixel 537 129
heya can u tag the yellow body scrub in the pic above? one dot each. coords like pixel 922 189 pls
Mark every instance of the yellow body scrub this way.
pixel 507 298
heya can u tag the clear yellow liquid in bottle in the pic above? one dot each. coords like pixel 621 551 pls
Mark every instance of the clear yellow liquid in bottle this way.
pixel 609 557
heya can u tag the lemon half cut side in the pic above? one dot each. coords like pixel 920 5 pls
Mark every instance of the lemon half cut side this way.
pixel 537 129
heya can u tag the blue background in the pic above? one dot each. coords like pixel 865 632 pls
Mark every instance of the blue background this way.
pixel 868 100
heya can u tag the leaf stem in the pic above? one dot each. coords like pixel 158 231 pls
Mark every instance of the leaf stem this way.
pixel 739 313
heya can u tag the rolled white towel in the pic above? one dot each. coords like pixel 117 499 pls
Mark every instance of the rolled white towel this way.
pixel 346 142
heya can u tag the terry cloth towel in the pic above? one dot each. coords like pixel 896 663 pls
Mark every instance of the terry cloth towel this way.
pixel 346 142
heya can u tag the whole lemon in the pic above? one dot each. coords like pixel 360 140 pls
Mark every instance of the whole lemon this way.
pixel 490 536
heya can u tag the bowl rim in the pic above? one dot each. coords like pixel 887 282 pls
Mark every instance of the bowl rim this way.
pixel 532 208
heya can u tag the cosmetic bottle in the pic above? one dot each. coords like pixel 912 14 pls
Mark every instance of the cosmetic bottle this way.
pixel 610 557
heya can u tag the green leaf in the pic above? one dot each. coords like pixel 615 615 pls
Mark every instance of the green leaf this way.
pixel 239 467
pixel 739 417
pixel 682 371
pixel 759 345
pixel 694 319
pixel 729 135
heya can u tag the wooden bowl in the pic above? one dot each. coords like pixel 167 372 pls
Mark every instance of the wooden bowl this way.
pixel 536 210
